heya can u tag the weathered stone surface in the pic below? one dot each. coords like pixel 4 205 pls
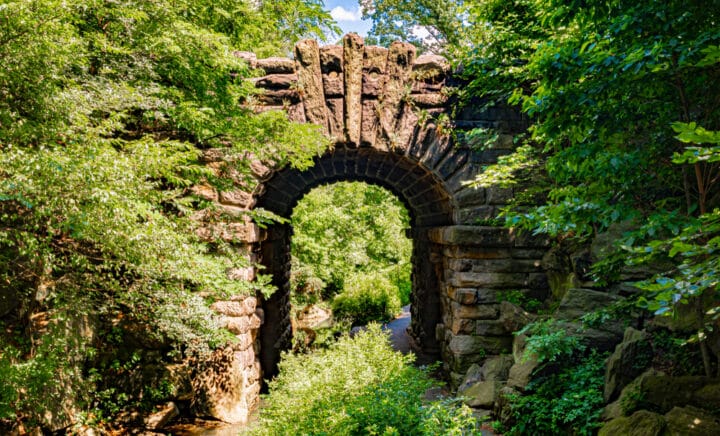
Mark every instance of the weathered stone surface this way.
pixel 577 302
pixel 490 328
pixel 430 66
pixel 481 394
pixel 334 85
pixel 400 59
pixel 307 54
pixel 497 368
pixel 465 296
pixel 690 420
pixel 336 117
pixel 241 324
pixel 475 311
pixel 243 307
pixel 374 69
pixel 625 364
pixel 521 373
pixel 247 56
pixel 162 416
pixel 641 423
pixel 429 100
pixel 472 235
pixel 664 393
pixel 514 318
pixel 487 280
pixel 473 375
pixel 276 65
pixel 204 191
pixel 708 397
pixel 280 97
pixel 353 64
pixel 331 59
pixel 277 81
pixel 466 344
pixel 237 198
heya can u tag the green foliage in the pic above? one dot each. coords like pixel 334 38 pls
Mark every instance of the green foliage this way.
pixel 549 342
pixel 349 243
pixel 106 109
pixel 367 297
pixel 401 20
pixel 357 386
pixel 569 401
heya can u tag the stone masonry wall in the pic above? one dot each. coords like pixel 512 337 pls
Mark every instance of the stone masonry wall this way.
pixel 388 114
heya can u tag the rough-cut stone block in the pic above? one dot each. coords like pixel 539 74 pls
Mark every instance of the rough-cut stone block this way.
pixel 243 307
pixel 490 328
pixel 276 65
pixel 463 295
pixel 240 324
pixel 334 85
pixel 476 345
pixel 429 100
pixel 470 197
pixel 475 311
pixel 205 191
pixel 472 235
pixel 247 274
pixel 476 252
pixel 353 46
pixel 487 280
pixel 461 326
pixel 430 66
pixel 277 81
pixel 279 97
pixel 237 198
pixel 336 118
pixel 331 59
pixel 400 59
pixel 307 54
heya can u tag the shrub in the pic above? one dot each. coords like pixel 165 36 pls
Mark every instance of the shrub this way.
pixel 567 402
pixel 367 297
pixel 357 386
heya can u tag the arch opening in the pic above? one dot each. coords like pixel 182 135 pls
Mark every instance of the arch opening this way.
pixel 427 203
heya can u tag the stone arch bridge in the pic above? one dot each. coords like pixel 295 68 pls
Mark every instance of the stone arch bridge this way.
pixel 387 111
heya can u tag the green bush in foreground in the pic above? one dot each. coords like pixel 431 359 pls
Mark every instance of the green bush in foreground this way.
pixel 358 386
pixel 367 297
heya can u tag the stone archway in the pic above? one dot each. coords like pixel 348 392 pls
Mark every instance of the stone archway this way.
pixel 387 113
pixel 427 202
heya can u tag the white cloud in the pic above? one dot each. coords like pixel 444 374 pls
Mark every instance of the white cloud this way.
pixel 339 13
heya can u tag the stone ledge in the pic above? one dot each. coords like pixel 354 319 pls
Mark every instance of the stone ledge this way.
pixel 472 235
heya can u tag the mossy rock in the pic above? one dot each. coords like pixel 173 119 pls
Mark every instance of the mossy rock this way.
pixel 640 423
pixel 690 421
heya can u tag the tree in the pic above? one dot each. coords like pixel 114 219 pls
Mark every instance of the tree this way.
pixel 105 109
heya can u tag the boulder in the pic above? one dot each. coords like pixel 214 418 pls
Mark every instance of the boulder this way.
pixel 708 397
pixel 473 375
pixel 162 416
pixel 578 301
pixel 690 420
pixel 482 394
pixel 496 368
pixel 663 393
pixel 640 423
pixel 521 373
pixel 513 317
pixel 627 362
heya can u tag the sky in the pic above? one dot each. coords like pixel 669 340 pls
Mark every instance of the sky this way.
pixel 347 14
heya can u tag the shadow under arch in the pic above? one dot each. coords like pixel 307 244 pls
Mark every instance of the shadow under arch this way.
pixel 427 201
